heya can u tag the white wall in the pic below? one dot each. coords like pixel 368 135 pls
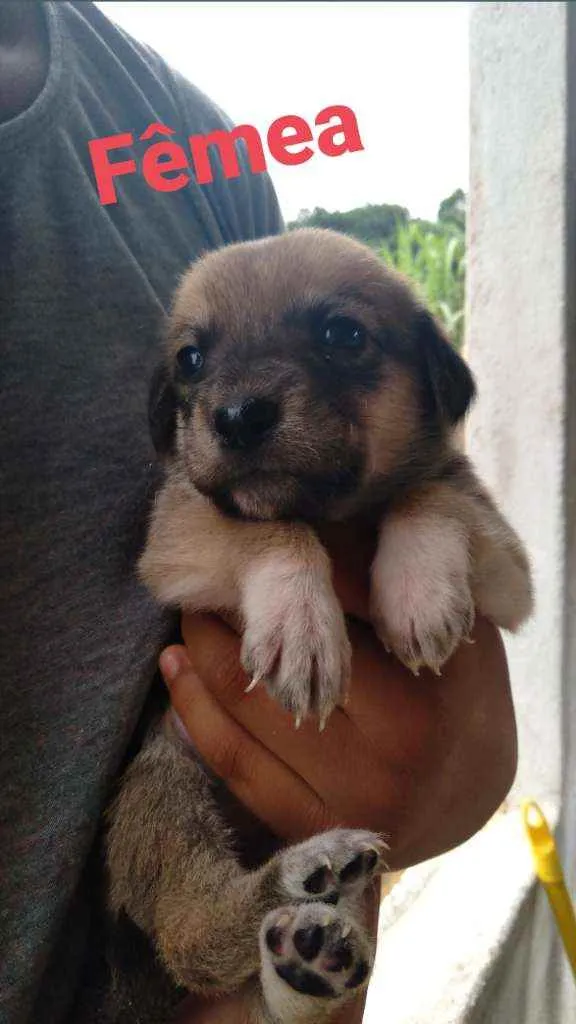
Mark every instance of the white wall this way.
pixel 521 334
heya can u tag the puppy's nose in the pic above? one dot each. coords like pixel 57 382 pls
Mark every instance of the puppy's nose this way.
pixel 247 423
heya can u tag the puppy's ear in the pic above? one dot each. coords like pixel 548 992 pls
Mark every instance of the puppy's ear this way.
pixel 162 404
pixel 449 387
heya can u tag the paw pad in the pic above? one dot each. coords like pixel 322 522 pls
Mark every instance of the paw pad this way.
pixel 363 864
pixel 274 939
pixel 359 976
pixel 306 982
pixel 341 957
pixel 308 941
pixel 318 881
pixel 316 950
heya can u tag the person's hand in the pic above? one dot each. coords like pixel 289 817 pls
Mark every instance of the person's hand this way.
pixel 424 760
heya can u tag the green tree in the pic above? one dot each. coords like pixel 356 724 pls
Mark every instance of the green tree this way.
pixel 453 210
pixel 373 224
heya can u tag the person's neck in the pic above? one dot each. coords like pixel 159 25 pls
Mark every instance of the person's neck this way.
pixel 24 56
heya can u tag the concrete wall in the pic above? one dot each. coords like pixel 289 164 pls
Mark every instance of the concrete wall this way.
pixel 522 241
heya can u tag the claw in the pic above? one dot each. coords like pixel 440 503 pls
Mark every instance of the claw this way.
pixel 252 686
pixel 414 667
pixel 373 849
pixel 344 699
pixel 297 721
pixel 346 930
pixel 323 721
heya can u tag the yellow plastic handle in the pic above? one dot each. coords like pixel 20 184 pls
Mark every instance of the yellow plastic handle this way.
pixel 542 843
pixel 549 871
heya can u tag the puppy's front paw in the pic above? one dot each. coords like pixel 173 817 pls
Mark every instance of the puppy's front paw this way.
pixel 295 637
pixel 315 952
pixel 421 601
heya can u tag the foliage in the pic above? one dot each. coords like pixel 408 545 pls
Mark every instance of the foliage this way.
pixel 430 253
pixel 435 262
pixel 453 210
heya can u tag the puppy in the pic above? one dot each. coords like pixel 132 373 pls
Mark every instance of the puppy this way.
pixel 303 383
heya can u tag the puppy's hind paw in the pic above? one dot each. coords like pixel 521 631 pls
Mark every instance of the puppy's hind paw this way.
pixel 312 955
pixel 332 865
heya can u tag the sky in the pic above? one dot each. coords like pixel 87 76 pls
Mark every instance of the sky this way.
pixel 401 67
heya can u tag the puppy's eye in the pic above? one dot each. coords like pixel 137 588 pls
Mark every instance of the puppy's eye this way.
pixel 190 360
pixel 341 332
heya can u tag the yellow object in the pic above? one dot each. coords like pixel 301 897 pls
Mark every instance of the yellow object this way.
pixel 549 871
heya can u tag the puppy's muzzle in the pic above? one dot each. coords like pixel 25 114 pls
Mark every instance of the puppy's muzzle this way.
pixel 247 423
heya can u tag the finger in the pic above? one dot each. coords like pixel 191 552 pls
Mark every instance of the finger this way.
pixel 214 651
pixel 386 709
pixel 267 786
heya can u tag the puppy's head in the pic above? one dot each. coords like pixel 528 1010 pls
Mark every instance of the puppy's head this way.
pixel 300 373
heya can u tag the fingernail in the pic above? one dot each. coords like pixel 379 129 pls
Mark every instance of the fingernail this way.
pixel 172 663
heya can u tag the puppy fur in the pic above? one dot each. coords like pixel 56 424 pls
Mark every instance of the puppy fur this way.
pixel 362 397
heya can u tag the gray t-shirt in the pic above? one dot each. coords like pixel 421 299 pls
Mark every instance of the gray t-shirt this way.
pixel 83 292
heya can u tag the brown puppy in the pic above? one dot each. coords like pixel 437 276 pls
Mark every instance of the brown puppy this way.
pixel 303 382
